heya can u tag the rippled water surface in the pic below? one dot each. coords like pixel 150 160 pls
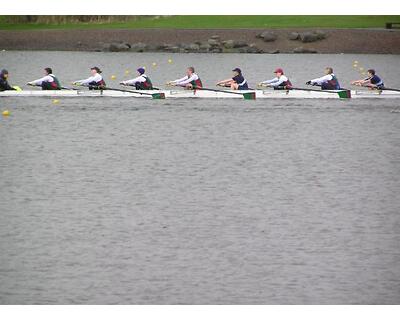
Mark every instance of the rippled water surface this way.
pixel 136 201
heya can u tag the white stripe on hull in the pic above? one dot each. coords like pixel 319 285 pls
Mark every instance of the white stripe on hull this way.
pixel 181 94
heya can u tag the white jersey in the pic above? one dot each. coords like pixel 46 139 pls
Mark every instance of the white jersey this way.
pixel 48 78
pixel 132 82
pixel 323 79
pixel 96 78
pixel 276 82
pixel 186 80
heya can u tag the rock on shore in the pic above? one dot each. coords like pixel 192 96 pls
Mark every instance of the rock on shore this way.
pixel 207 40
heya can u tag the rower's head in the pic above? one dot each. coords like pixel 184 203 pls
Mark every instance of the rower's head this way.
pixel 328 70
pixel 4 74
pixel 371 72
pixel 237 72
pixel 189 71
pixel 95 70
pixel 48 71
pixel 278 72
pixel 141 70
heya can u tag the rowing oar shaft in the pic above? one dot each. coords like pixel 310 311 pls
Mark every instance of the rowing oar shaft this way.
pixel 245 95
pixel 389 89
pixel 158 95
pixel 342 93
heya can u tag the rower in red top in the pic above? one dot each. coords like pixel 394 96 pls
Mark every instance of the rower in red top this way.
pixel 48 82
pixel 94 82
pixel 280 82
pixel 142 82
pixel 237 82
pixel 372 81
pixel 327 82
pixel 189 82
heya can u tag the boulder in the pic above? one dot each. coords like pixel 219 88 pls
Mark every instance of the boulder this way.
pixel 229 44
pixel 193 47
pixel 216 50
pixel 309 37
pixel 240 44
pixel 174 49
pixel 252 48
pixel 293 36
pixel 213 42
pixel 117 47
pixel 321 34
pixel 139 47
pixel 304 50
pixel 268 36
pixel 205 47
pixel 215 37
pixel 274 51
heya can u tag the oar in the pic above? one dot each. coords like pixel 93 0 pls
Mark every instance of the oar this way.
pixel 342 93
pixel 390 89
pixel 158 95
pixel 66 88
pixel 246 95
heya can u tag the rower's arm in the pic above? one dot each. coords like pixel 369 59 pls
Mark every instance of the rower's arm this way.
pixel 274 81
pixel 38 82
pixel 86 81
pixel 226 81
pixel 179 81
pixel 187 80
pixel 132 82
pixel 321 80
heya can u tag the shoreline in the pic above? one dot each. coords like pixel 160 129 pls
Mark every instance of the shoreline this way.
pixel 308 40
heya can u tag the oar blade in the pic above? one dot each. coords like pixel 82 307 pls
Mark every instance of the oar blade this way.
pixel 158 96
pixel 344 94
pixel 249 96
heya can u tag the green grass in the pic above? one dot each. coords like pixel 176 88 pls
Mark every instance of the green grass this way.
pixel 200 22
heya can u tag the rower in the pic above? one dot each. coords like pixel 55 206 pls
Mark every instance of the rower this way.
pixel 372 81
pixel 94 82
pixel 327 82
pixel 189 82
pixel 237 82
pixel 4 85
pixel 280 82
pixel 48 82
pixel 142 82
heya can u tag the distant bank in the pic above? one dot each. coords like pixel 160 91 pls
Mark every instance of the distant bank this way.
pixel 217 40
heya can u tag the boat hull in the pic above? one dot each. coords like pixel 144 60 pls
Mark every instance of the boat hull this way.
pixel 187 94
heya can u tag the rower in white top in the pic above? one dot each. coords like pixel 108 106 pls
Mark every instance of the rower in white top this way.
pixel 280 82
pixel 189 82
pixel 94 82
pixel 142 82
pixel 48 82
pixel 327 82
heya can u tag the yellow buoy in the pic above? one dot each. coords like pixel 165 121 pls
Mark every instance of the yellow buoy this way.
pixel 56 101
pixel 361 69
pixel 355 66
pixel 5 113
pixel 355 62
pixel 127 71
pixel 169 60
pixel 113 77
pixel 154 64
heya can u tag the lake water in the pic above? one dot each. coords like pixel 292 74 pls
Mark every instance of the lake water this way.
pixel 136 201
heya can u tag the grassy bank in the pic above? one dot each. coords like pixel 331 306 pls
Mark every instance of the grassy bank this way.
pixel 198 22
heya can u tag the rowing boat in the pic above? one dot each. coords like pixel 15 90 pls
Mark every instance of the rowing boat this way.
pixel 189 94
